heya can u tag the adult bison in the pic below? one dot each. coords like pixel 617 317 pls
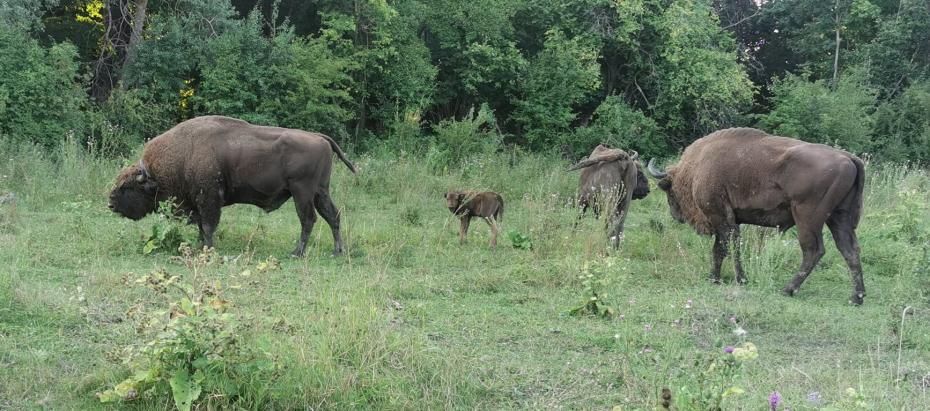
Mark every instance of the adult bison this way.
pixel 209 162
pixel 608 175
pixel 745 176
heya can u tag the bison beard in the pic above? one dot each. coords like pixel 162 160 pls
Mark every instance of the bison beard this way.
pixel 608 174
pixel 468 204
pixel 745 176
pixel 210 162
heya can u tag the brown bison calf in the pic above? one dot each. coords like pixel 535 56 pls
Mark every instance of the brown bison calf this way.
pixel 467 204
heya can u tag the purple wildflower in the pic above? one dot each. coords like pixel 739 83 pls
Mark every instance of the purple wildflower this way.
pixel 774 399
pixel 728 349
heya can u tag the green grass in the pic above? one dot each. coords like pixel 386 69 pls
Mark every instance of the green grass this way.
pixel 409 319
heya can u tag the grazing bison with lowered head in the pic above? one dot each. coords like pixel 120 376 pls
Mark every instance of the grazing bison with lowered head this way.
pixel 468 204
pixel 209 162
pixel 745 176
pixel 607 175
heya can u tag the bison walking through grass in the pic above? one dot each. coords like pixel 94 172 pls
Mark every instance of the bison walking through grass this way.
pixel 745 176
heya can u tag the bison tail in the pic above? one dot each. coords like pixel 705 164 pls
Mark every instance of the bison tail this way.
pixel 859 189
pixel 500 210
pixel 339 152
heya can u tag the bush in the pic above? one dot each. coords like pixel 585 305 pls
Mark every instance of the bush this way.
pixel 811 111
pixel 902 125
pixel 618 125
pixel 193 344
pixel 40 99
pixel 459 139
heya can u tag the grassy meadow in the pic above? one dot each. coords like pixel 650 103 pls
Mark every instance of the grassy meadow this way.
pixel 408 319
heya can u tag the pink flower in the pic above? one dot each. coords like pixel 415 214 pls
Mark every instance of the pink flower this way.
pixel 732 319
pixel 728 349
pixel 774 399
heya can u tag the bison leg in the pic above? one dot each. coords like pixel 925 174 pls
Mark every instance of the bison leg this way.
pixel 720 252
pixel 494 230
pixel 307 217
pixel 326 208
pixel 848 244
pixel 737 262
pixel 811 240
pixel 208 218
pixel 463 228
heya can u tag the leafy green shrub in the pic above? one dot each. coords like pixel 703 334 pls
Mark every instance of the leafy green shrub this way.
pixel 562 76
pixel 167 233
pixel 618 125
pixel 192 347
pixel 713 378
pixel 40 99
pixel 811 111
pixel 458 139
pixel 519 240
pixel 595 280
pixel 902 125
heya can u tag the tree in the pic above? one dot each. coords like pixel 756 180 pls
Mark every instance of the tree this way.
pixel 123 28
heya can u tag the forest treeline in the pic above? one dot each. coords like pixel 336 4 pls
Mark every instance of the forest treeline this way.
pixel 456 76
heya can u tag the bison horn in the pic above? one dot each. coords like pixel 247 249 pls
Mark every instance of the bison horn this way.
pixel 655 173
pixel 634 156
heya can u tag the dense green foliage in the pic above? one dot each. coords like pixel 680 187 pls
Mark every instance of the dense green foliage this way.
pixel 561 76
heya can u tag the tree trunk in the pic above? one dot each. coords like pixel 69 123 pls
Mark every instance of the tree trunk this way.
pixel 138 20
pixel 119 38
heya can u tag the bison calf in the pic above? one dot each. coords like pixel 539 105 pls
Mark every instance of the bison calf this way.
pixel 468 204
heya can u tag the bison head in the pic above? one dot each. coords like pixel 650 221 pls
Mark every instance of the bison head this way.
pixel 454 200
pixel 642 185
pixel 134 194
pixel 665 183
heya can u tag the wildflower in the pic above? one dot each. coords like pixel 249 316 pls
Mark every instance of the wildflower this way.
pixel 739 331
pixel 745 352
pixel 676 322
pixel 622 316
pixel 774 399
pixel 688 304
pixel 647 327
pixel 632 301
pixel 728 349
pixel 732 319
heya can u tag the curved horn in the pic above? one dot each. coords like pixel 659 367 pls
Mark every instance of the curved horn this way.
pixel 651 168
pixel 634 156
pixel 611 155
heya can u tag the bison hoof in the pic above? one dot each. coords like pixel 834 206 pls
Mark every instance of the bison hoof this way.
pixel 788 291
pixel 742 280
pixel 297 254
pixel 714 280
pixel 337 253
pixel 856 299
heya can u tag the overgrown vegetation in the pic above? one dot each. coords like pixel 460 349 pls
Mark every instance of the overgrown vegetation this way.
pixel 411 319
pixel 428 95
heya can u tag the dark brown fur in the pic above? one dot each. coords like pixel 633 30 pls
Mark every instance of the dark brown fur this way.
pixel 468 204
pixel 210 162
pixel 745 176
pixel 609 180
